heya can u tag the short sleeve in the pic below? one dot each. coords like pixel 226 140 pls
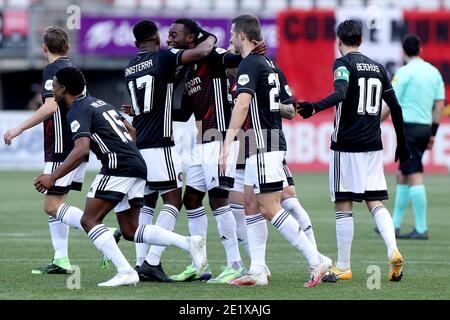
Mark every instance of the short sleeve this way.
pixel 400 82
pixel 286 96
pixel 440 88
pixel 47 82
pixel 341 70
pixel 247 77
pixel 80 121
pixel 172 57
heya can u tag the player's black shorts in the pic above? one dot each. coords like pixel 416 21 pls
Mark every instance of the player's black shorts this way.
pixel 417 136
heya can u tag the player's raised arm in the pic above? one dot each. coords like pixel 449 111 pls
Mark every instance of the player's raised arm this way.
pixel 341 80
pixel 201 51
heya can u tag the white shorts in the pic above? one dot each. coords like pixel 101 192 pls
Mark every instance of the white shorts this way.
pixel 163 169
pixel 265 172
pixel 239 181
pixel 184 134
pixel 357 176
pixel 71 181
pixel 203 173
pixel 126 191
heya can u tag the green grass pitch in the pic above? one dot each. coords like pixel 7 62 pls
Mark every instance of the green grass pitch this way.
pixel 25 244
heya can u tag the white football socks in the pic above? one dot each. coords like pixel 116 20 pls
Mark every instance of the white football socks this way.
pixel 344 238
pixel 385 226
pixel 60 237
pixel 257 237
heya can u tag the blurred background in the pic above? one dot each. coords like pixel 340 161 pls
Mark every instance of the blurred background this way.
pixel 299 35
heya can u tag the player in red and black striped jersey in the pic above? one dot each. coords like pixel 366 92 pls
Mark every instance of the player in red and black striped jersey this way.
pixel 57 145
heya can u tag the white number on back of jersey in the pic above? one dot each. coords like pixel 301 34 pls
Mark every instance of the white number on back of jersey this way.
pixel 274 92
pixel 113 118
pixel 146 81
pixel 369 96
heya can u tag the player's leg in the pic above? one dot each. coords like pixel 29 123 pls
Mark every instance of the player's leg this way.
pixel 375 192
pixel 347 184
pixel 236 200
pixel 54 202
pixel 218 190
pixel 145 217
pixel 418 137
pixel 151 269
pixel 289 202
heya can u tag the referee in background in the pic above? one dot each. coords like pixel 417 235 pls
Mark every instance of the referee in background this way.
pixel 419 88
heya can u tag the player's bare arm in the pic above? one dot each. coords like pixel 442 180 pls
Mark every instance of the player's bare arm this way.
pixel 48 108
pixel 307 109
pixel 238 117
pixel 437 113
pixel 79 154
pixel 199 52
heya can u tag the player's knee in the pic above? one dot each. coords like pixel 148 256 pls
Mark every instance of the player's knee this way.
pixel 192 198
pixel 218 197
pixel 151 199
pixel 127 233
pixel 51 207
pixel 87 223
pixel 173 198
pixel 288 192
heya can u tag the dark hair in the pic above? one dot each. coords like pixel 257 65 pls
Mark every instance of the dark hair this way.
pixel 249 25
pixel 190 25
pixel 72 79
pixel 350 32
pixel 56 40
pixel 411 45
pixel 145 30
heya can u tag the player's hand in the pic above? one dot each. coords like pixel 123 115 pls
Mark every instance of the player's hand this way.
pixel 402 153
pixel 11 134
pixel 44 182
pixel 306 109
pixel 127 109
pixel 223 159
pixel 431 143
pixel 260 47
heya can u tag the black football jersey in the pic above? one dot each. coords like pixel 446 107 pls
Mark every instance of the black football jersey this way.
pixel 57 136
pixel 110 140
pixel 207 91
pixel 150 78
pixel 357 119
pixel 259 76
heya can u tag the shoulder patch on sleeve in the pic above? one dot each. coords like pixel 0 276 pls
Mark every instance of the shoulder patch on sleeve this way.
pixel 48 85
pixel 341 73
pixel 288 90
pixel 74 126
pixel 220 50
pixel 243 79
pixel 173 50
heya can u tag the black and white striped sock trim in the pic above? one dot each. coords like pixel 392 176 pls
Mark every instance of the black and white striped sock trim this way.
pixel 221 210
pixel 97 231
pixel 139 235
pixel 254 219
pixel 52 220
pixel 171 210
pixel 374 210
pixel 148 210
pixel 62 210
pixel 280 219
pixel 195 213
pixel 236 206
pixel 343 214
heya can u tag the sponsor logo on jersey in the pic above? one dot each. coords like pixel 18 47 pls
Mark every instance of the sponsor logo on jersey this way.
pixel 180 177
pixel 48 84
pixel 74 126
pixel 243 79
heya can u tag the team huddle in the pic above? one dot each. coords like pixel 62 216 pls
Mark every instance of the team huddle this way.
pixel 238 98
